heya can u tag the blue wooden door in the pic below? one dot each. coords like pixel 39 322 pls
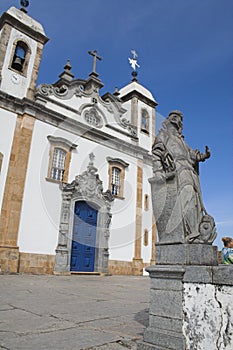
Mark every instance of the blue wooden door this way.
pixel 84 238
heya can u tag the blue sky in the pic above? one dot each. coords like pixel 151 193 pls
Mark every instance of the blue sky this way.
pixel 185 52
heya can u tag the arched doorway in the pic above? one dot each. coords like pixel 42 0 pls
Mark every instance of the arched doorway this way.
pixel 84 237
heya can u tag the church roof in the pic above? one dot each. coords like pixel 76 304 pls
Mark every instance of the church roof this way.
pixel 135 87
pixel 26 20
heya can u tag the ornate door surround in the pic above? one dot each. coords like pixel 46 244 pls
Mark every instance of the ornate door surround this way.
pixel 86 187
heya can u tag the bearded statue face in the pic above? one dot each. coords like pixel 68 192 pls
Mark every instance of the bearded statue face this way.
pixel 176 120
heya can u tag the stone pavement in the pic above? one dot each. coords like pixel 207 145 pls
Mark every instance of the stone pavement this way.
pixel 46 312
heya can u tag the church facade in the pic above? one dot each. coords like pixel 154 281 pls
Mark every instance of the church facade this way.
pixel 74 165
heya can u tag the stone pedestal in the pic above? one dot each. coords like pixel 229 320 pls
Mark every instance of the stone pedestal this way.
pixel 190 308
pixel 186 254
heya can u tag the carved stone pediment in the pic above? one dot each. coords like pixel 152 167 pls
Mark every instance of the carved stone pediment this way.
pixel 87 185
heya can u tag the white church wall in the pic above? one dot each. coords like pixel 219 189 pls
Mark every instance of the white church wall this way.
pixel 8 121
pixel 124 214
pixel 106 116
pixel 40 216
pixel 17 87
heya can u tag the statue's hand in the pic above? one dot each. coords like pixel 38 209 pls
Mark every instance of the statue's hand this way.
pixel 201 157
pixel 207 152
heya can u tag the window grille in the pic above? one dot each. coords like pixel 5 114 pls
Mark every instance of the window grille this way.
pixel 116 181
pixel 58 164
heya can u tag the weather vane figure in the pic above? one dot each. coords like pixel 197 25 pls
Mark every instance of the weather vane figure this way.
pixel 133 61
pixel 24 4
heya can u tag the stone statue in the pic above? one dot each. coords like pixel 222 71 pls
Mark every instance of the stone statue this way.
pixel 177 200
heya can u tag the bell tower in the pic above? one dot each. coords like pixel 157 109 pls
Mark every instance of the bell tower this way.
pixel 21 43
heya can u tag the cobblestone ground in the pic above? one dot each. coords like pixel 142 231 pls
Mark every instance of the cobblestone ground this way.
pixel 72 312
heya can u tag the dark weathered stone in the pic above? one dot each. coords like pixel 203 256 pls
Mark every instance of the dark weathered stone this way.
pixel 176 193
pixel 186 254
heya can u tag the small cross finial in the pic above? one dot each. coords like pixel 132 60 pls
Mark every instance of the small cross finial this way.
pixel 96 57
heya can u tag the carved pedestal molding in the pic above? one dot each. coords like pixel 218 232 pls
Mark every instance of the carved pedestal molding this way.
pixel 86 187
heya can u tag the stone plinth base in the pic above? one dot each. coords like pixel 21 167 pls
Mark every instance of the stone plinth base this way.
pixel 36 263
pixel 190 308
pixel 137 267
pixel 9 259
pixel 186 254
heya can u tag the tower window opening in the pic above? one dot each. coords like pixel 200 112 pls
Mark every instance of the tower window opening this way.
pixel 19 56
pixel 144 121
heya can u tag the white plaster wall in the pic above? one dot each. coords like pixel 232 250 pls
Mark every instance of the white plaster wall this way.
pixel 40 217
pixel 208 323
pixel 124 215
pixel 18 89
pixel 82 105
pixel 40 214
pixel 7 121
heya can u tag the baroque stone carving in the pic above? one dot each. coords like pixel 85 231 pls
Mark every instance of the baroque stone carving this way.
pixel 127 125
pixel 86 187
pixel 93 118
pixel 177 200
pixel 48 89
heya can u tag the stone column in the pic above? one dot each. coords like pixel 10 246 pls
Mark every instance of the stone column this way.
pixel 137 264
pixel 13 194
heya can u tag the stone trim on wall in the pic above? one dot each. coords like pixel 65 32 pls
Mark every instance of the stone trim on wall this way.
pixel 121 165
pixel 1 160
pixel 15 182
pixel 120 267
pixel 67 146
pixel 4 39
pixel 35 71
pixel 138 232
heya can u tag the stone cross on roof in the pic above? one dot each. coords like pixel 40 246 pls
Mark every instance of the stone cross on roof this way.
pixel 96 57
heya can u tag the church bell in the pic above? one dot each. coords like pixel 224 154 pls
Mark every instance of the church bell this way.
pixel 17 63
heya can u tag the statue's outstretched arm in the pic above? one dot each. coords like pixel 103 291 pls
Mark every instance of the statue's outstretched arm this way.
pixel 201 157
